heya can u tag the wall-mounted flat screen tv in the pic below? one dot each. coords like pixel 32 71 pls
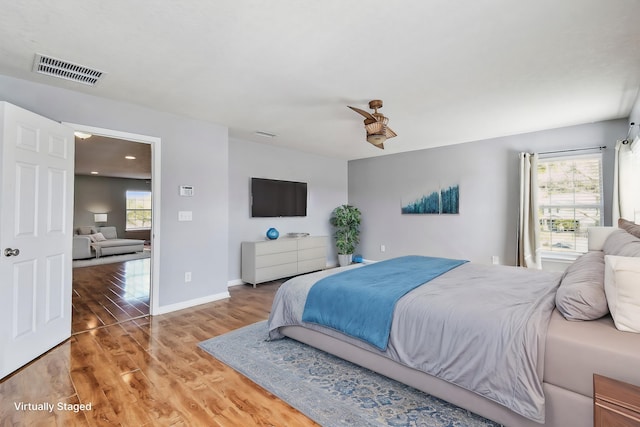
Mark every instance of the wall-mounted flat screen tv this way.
pixel 272 198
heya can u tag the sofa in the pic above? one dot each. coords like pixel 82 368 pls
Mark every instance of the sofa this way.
pixel 90 242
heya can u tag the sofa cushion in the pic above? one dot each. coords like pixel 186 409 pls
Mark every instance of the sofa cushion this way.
pixel 109 243
pixel 85 230
pixel 109 232
pixel 622 287
pixel 581 294
pixel 621 243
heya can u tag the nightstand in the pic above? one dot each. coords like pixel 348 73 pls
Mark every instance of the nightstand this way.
pixel 615 403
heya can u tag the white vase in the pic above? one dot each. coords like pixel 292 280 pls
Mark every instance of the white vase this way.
pixel 344 259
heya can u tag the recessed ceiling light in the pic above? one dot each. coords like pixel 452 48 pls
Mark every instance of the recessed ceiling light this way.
pixel 265 134
pixel 130 157
pixel 82 135
pixel 94 173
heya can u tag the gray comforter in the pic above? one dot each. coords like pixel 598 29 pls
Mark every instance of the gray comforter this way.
pixel 479 327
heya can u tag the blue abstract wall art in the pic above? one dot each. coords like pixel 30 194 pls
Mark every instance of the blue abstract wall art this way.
pixel 441 201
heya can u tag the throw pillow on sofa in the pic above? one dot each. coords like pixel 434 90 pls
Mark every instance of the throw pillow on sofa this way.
pixel 97 237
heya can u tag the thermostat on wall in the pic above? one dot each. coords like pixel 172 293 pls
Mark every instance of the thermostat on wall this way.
pixel 186 190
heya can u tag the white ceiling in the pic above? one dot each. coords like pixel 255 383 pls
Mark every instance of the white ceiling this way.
pixel 103 156
pixel 447 71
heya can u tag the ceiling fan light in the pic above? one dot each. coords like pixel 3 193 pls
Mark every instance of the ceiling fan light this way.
pixel 376 139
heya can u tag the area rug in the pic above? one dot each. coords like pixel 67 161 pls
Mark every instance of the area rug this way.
pixel 329 390
pixel 110 259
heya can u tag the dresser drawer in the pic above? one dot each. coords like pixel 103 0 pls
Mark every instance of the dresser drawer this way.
pixel 313 253
pixel 275 246
pixel 311 265
pixel 312 242
pixel 616 403
pixel 276 272
pixel 276 259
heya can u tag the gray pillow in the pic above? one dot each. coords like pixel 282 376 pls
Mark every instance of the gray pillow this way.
pixel 621 243
pixel 629 227
pixel 581 293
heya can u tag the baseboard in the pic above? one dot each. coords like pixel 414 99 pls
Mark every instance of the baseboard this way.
pixel 234 282
pixel 188 304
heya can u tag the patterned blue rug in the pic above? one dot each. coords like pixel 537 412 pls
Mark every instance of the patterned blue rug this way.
pixel 329 390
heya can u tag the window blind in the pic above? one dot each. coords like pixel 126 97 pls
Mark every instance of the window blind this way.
pixel 570 199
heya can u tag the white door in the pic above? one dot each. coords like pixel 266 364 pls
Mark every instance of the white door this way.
pixel 36 202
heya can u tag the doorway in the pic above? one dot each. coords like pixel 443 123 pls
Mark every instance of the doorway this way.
pixel 112 290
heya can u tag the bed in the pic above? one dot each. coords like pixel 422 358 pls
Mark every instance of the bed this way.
pixel 548 368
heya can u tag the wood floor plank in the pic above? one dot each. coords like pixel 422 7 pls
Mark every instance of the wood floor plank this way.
pixel 149 371
pixel 110 293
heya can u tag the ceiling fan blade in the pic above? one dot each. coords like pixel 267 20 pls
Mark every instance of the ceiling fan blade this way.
pixel 363 113
pixel 389 133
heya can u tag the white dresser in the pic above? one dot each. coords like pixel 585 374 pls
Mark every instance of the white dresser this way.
pixel 285 257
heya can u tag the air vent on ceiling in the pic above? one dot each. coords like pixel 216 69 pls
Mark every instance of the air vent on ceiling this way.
pixel 66 70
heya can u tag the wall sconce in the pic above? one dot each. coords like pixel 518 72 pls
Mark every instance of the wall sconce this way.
pixel 100 217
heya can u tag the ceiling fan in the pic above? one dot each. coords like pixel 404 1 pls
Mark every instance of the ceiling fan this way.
pixel 375 124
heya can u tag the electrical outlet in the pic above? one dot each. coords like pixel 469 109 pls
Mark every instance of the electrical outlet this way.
pixel 495 259
pixel 383 248
pixel 187 277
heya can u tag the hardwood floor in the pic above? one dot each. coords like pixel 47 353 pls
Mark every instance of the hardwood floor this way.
pixel 110 293
pixel 149 372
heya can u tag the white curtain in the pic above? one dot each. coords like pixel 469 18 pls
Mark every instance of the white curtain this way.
pixel 528 224
pixel 626 181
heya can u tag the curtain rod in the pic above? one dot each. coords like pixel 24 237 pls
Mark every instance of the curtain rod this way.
pixel 626 140
pixel 575 149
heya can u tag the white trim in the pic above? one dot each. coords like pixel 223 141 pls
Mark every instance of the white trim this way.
pixel 154 295
pixel 560 256
pixel 235 282
pixel 164 309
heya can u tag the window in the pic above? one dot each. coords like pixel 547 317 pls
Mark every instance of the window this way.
pixel 569 201
pixel 138 210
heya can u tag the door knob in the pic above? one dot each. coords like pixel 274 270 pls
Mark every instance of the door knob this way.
pixel 11 252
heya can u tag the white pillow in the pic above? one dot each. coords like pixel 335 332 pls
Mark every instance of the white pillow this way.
pixel 97 237
pixel 622 287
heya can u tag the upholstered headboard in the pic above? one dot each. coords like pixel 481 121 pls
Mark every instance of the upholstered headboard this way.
pixel 597 236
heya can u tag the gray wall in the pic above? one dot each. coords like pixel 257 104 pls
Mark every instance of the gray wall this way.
pixel 326 180
pixel 193 153
pixel 99 194
pixel 487 172
pixel 634 117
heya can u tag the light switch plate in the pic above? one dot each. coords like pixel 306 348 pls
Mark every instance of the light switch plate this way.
pixel 185 216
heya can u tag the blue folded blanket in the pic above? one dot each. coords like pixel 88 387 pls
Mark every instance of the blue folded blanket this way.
pixel 360 302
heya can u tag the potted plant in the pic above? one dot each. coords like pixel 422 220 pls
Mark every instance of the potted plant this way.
pixel 346 219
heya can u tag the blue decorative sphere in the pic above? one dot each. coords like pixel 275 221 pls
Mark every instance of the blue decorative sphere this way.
pixel 272 234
